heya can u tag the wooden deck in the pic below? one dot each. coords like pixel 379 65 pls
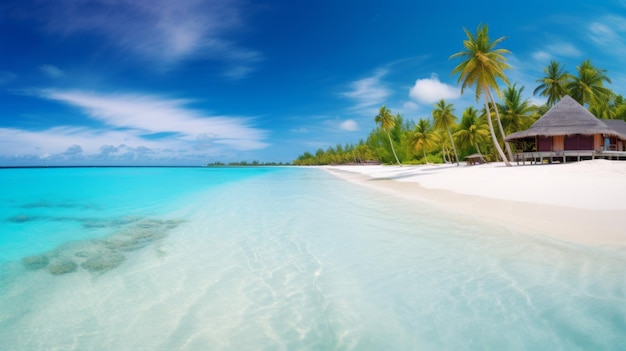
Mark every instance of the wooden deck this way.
pixel 537 157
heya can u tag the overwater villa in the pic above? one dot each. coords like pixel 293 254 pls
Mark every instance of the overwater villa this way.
pixel 569 132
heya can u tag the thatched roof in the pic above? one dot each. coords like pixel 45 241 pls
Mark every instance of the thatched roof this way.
pixel 567 117
pixel 618 125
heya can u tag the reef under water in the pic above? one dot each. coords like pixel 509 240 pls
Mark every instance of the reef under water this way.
pixel 102 254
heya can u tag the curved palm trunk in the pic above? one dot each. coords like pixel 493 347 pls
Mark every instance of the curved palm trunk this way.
pixel 493 133
pixel 393 150
pixel 506 144
pixel 453 147
pixel 477 149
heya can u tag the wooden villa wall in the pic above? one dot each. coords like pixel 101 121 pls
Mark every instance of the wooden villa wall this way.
pixel 544 143
pixel 598 142
pixel 559 143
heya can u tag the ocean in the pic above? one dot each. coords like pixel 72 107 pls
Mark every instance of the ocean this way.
pixel 282 258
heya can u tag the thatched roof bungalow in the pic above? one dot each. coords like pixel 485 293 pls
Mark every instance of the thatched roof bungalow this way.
pixel 567 127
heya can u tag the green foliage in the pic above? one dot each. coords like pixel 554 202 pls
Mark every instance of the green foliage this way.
pixel 482 63
pixel 517 114
pixel 482 66
pixel 398 140
pixel 586 87
pixel 387 122
pixel 553 83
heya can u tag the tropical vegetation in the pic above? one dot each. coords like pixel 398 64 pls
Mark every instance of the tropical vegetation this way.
pixel 438 138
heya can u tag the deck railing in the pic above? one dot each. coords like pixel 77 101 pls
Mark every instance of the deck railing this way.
pixel 539 157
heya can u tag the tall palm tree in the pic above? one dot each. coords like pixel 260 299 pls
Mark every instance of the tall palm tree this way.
pixel 444 142
pixel 516 112
pixel 553 85
pixel 472 130
pixel 387 122
pixel 588 87
pixel 443 116
pixel 483 64
pixel 424 137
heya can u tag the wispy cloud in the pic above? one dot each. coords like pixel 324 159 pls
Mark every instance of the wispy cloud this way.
pixel 163 32
pixel 609 33
pixel 349 125
pixel 555 50
pixel 141 127
pixel 430 90
pixel 51 71
pixel 151 114
pixel 6 77
pixel 368 92
pixel 67 145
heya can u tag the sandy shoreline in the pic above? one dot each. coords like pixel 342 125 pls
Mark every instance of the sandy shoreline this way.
pixel 580 202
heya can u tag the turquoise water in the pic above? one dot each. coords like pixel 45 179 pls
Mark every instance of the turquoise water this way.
pixel 282 259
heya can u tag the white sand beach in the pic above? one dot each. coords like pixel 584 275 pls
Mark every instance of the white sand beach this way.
pixel 581 202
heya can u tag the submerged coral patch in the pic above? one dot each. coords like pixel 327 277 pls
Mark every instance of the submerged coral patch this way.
pixel 110 223
pixel 101 255
pixel 35 262
pixel 103 263
pixel 21 219
pixel 53 204
pixel 59 266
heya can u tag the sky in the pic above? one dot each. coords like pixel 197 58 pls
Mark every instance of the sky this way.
pixel 192 82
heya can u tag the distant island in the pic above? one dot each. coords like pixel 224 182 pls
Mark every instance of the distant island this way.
pixel 247 164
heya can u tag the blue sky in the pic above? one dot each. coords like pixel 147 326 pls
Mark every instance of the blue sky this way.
pixel 190 82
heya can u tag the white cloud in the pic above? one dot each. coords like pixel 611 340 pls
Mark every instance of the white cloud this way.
pixel 51 71
pixel 368 92
pixel 609 33
pixel 563 50
pixel 161 31
pixel 137 127
pixel 150 115
pixel 349 125
pixel 58 140
pixel 410 106
pixel 430 90
pixel 300 130
pixel 74 150
pixel 542 56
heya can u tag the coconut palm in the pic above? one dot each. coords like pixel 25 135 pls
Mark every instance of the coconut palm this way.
pixel 483 65
pixel 588 87
pixel 443 116
pixel 444 142
pixel 553 85
pixel 387 122
pixel 424 137
pixel 472 130
pixel 516 112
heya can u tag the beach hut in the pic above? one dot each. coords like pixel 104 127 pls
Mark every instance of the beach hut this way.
pixel 569 132
pixel 475 159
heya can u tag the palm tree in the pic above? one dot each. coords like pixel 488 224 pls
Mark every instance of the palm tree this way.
pixel 444 119
pixel 387 122
pixel 472 130
pixel 553 85
pixel 588 87
pixel 482 66
pixel 445 146
pixel 424 137
pixel 515 111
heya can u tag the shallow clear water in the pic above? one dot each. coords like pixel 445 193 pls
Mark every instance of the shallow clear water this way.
pixel 282 259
